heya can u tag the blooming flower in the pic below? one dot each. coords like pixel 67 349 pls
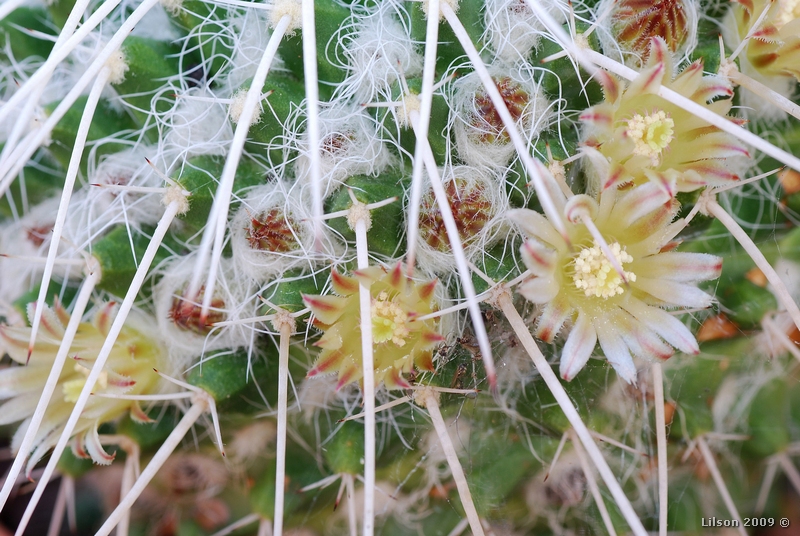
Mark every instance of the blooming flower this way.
pixel 578 285
pixel 772 55
pixel 636 136
pixel 129 370
pixel 774 49
pixel 400 340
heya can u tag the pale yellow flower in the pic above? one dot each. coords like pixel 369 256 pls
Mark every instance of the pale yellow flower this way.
pixel 129 370
pixel 400 340
pixel 636 136
pixel 578 286
pixel 774 49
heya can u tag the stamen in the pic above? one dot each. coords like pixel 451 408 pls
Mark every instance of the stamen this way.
pixel 651 134
pixel 594 273
pixel 389 321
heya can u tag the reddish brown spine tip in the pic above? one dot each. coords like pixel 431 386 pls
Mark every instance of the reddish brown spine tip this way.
pixel 493 384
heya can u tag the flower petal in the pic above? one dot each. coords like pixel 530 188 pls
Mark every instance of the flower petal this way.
pixel 667 181
pixel 643 342
pixel 689 80
pixel 343 285
pixel 424 360
pixel 678 266
pixel 673 293
pixel 659 53
pixel 535 225
pixel 426 291
pixel 328 361
pixel 138 415
pixel 104 317
pixel 327 309
pixel 579 347
pixel 348 375
pixel 611 86
pixel 667 326
pixel 639 202
pixel 615 349
pixel 539 289
pixel 394 380
pixel 648 80
pixel 76 445
pixel 50 321
pixel 657 239
pixel 95 448
pixel 540 259
pixel 551 319
pixel 19 407
pixel 16 380
pixel 331 339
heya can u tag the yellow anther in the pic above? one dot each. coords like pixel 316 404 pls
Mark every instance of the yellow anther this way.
pixel 389 321
pixel 788 10
pixel 72 388
pixel 651 134
pixel 594 273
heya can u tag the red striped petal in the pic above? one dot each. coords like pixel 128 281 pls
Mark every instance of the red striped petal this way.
pixel 343 285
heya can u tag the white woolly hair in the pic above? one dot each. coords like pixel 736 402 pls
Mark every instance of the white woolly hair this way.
pixel 349 146
pixel 607 34
pixel 157 24
pixel 471 149
pixel 251 34
pixel 561 485
pixel 380 50
pixel 94 211
pixel 437 470
pixel 755 107
pixel 197 125
pixel 434 261
pixel 19 238
pixel 265 265
pixel 184 345
pixel 513 30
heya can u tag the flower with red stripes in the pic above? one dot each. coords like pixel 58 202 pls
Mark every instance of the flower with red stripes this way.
pixel 636 136
pixel 614 280
pixel 401 341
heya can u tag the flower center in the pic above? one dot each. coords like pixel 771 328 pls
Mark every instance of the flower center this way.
pixel 788 10
pixel 389 321
pixel 594 273
pixel 651 134
pixel 73 388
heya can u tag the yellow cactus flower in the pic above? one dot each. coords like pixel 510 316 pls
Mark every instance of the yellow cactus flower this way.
pixel 622 306
pixel 771 55
pixel 774 49
pixel 129 370
pixel 635 136
pixel 400 340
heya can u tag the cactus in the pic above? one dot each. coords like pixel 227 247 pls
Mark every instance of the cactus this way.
pixel 400 267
